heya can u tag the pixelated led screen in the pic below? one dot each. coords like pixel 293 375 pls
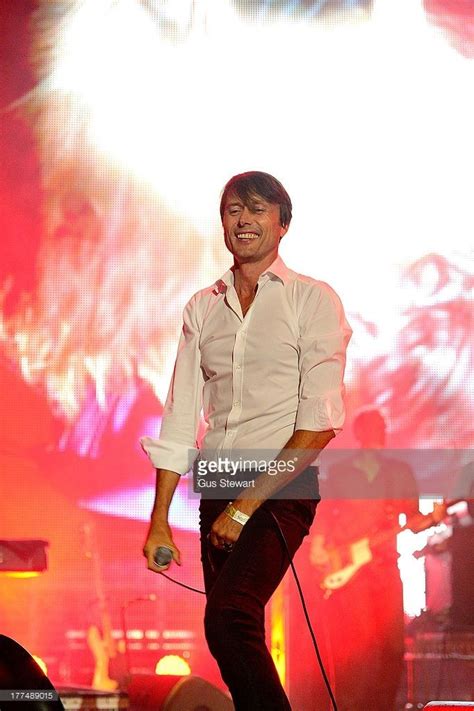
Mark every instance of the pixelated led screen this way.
pixel 121 122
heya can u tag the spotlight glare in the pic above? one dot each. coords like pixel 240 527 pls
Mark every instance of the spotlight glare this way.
pixel 173 664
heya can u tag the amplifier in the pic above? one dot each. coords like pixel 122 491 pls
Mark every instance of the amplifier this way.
pixel 443 645
pixel 89 700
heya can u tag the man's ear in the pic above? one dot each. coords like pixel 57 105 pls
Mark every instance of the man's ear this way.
pixel 283 230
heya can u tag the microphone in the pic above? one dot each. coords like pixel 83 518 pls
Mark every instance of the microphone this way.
pixel 162 556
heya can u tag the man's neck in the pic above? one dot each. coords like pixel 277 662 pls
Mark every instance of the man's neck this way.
pixel 368 461
pixel 246 275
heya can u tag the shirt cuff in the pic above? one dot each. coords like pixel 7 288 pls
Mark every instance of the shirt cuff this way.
pixel 173 456
pixel 320 415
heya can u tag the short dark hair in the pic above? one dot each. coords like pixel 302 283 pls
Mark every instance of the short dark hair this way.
pixel 255 183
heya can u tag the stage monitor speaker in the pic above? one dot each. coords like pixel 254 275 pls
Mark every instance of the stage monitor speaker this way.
pixel 20 672
pixel 152 692
pixel 449 705
pixel 195 694
pixel 23 556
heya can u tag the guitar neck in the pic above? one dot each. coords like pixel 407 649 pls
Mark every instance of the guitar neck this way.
pixel 385 535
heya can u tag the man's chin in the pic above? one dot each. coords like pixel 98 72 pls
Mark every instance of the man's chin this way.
pixel 247 258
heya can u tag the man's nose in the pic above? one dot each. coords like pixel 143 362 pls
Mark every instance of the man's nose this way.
pixel 245 217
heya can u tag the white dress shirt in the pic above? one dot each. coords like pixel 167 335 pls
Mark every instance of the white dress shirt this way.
pixel 259 377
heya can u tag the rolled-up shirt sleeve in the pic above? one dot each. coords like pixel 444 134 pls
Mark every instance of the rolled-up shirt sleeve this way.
pixel 324 336
pixel 176 449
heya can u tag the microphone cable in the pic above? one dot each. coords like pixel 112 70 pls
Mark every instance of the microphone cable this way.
pixel 183 585
pixel 306 614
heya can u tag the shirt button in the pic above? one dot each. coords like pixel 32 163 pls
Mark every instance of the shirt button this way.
pixel 237 367
pixel 236 403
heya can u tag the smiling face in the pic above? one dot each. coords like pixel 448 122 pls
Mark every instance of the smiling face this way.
pixel 252 229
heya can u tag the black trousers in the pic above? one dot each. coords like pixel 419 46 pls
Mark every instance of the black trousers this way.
pixel 240 583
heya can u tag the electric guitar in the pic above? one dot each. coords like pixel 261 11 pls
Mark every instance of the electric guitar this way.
pixel 102 645
pixel 343 562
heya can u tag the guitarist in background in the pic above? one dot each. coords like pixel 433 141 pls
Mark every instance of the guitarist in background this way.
pixel 366 493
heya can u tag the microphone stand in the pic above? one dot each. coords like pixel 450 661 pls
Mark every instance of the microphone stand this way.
pixel 123 619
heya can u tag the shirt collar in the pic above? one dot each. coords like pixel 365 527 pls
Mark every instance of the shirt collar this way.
pixel 277 269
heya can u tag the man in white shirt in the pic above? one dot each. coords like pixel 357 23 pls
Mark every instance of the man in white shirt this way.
pixel 262 353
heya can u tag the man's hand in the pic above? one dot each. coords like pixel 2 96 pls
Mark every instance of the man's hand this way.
pixel 420 522
pixel 439 513
pixel 159 534
pixel 224 531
